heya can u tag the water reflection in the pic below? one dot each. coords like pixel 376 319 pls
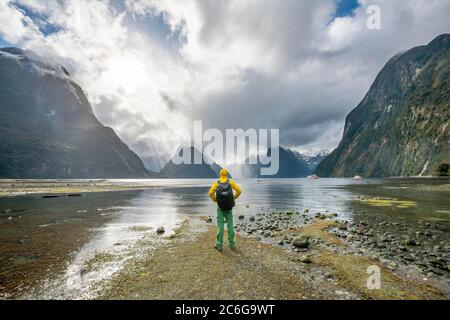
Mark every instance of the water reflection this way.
pixel 37 236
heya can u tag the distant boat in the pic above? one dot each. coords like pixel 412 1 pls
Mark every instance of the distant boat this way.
pixel 357 178
pixel 313 177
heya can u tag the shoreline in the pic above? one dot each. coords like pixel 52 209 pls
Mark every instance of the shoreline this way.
pixel 14 188
pixel 76 187
pixel 184 265
pixel 188 267
pixel 338 250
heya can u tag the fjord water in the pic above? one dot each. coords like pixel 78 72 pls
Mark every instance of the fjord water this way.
pixel 45 239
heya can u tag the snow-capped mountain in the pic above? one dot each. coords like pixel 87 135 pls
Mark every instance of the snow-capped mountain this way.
pixel 312 158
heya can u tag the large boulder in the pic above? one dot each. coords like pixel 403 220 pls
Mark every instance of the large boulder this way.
pixel 300 241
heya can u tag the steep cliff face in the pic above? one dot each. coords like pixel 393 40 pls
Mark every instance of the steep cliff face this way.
pixel 401 128
pixel 47 127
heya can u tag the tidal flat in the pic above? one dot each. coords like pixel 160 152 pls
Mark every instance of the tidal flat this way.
pixel 71 188
pixel 323 233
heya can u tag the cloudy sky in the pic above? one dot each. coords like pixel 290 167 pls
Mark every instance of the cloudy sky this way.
pixel 153 66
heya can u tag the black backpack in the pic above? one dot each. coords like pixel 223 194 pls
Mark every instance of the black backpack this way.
pixel 225 196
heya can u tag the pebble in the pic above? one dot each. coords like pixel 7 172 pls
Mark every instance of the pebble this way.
pixel 410 242
pixel 340 292
pixel 160 230
pixel 342 226
pixel 300 242
pixel 305 259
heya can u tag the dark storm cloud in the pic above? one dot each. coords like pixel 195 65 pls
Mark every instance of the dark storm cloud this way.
pixel 151 67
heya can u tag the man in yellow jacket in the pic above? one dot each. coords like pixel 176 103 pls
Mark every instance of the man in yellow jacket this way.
pixel 218 193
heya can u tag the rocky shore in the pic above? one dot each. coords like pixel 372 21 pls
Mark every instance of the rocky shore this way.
pixel 422 251
pixel 280 255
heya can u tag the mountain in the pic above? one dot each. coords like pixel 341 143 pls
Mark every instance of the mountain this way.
pixel 291 165
pixel 190 171
pixel 312 159
pixel 48 129
pixel 401 127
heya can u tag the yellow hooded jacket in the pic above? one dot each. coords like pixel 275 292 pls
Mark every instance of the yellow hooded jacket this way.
pixel 223 179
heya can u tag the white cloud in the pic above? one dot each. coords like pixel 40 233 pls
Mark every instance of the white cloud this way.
pixel 151 66
pixel 15 26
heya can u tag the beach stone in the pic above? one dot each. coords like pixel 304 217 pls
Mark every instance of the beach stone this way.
pixel 300 242
pixel 342 226
pixel 341 293
pixel 241 217
pixel 252 218
pixel 436 271
pixel 410 242
pixel 160 230
pixel 83 271
pixel 392 265
pixel 305 259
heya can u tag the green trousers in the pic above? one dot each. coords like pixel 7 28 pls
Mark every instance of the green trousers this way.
pixel 223 216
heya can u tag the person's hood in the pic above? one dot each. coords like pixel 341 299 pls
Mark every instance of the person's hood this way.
pixel 224 173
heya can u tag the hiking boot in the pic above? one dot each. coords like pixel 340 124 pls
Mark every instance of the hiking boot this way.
pixel 233 247
pixel 218 248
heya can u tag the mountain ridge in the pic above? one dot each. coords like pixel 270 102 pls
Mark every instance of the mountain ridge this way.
pixel 400 128
pixel 190 171
pixel 48 128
